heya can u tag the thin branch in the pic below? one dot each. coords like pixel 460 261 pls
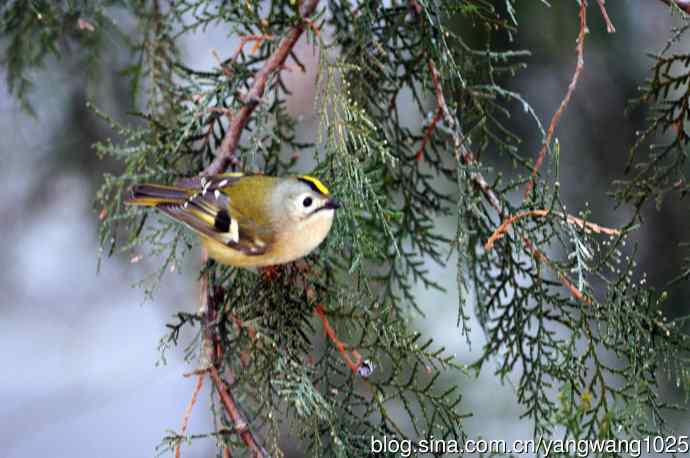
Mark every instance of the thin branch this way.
pixel 230 405
pixel 257 39
pixel 330 332
pixel 427 135
pixel 465 156
pixel 231 408
pixel 580 50
pixel 212 355
pixel 223 159
pixel 274 63
pixel 563 278
pixel 570 219
pixel 188 411
pixel 462 154
pixel 609 25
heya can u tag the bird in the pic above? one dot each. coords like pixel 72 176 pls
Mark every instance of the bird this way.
pixel 247 220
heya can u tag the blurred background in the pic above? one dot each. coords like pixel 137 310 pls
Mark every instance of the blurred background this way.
pixel 81 373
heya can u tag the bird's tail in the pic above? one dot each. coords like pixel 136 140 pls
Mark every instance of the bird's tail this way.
pixel 156 194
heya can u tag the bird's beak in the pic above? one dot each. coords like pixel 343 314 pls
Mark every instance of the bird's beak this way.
pixel 332 204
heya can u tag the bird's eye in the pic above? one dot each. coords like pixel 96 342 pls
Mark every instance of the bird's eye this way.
pixel 307 202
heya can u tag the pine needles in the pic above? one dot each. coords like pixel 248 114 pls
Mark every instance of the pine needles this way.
pixel 552 322
pixel 550 288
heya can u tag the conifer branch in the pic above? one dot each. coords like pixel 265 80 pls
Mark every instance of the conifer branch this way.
pixel 223 158
pixel 570 219
pixel 230 405
pixel 255 351
pixel 461 153
pixel 274 63
pixel 212 355
pixel 232 409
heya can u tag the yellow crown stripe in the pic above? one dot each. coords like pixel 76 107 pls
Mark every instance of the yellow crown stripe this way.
pixel 316 183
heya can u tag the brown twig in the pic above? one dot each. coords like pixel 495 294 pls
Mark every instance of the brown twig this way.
pixel 232 409
pixel 207 304
pixel 273 63
pixel 427 135
pixel 580 50
pixel 212 356
pixel 609 25
pixel 258 39
pixel 460 151
pixel 465 156
pixel 570 219
pixel 541 257
pixel 188 411
pixel 684 5
pixel 330 332
pixel 563 278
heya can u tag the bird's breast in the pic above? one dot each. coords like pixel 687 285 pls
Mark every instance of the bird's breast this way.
pixel 302 238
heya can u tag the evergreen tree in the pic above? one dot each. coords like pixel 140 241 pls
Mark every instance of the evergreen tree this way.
pixel 558 296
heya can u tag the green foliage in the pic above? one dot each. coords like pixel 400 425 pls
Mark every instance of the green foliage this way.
pixel 550 293
pixel 658 160
pixel 668 92
pixel 333 413
pixel 32 30
pixel 366 295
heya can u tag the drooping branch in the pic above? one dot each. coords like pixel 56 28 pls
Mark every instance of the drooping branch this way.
pixel 570 219
pixel 464 155
pixel 251 100
pixel 224 155
pixel 460 151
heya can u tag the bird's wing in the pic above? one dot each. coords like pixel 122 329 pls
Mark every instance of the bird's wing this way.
pixel 235 222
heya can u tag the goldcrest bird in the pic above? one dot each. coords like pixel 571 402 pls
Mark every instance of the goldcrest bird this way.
pixel 247 220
